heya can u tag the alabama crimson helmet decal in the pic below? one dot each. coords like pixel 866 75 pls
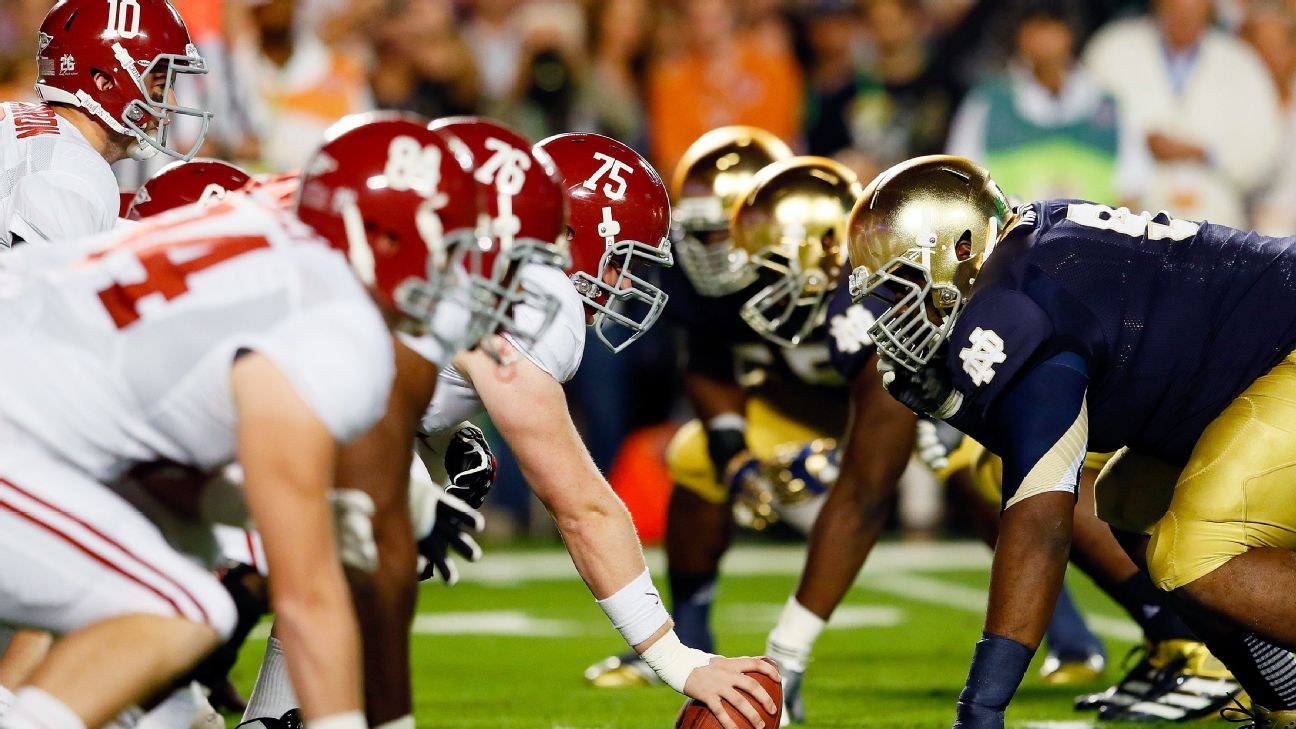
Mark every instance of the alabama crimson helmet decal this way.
pixel 201 181
pixel 128 41
pixel 398 199
pixel 619 219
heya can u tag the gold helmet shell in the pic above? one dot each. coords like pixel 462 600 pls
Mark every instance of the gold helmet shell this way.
pixel 919 235
pixel 791 225
pixel 714 172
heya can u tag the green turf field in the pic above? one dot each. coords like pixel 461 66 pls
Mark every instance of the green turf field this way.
pixel 506 648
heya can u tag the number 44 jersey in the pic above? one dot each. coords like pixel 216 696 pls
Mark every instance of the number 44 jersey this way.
pixel 1172 319
pixel 118 349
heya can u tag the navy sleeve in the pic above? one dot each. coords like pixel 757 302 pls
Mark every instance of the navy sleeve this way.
pixel 996 339
pixel 1042 426
pixel 850 346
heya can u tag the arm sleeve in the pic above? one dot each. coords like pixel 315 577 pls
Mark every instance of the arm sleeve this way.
pixel 55 205
pixel 1045 427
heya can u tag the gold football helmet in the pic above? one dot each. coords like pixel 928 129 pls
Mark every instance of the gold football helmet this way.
pixel 713 173
pixel 791 226
pixel 918 238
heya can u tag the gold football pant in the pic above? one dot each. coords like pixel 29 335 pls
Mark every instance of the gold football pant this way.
pixel 767 429
pixel 1237 491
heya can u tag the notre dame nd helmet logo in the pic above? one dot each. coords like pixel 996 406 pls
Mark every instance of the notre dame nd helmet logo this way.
pixel 985 350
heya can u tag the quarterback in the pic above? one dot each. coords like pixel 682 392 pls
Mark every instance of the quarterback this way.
pixel 106 74
pixel 1067 326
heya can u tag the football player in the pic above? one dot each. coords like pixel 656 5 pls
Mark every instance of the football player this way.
pixel 106 69
pixel 619 216
pixel 239 330
pixel 1067 326
pixel 767 394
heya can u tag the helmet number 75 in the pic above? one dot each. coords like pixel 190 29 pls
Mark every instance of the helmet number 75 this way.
pixel 612 168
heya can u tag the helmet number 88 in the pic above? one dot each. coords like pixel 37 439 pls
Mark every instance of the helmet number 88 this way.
pixel 413 167
pixel 124 18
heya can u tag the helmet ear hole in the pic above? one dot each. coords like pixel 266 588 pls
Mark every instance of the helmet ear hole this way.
pixel 963 249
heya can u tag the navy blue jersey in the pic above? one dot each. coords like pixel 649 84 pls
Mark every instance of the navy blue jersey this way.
pixel 721 345
pixel 1161 322
pixel 849 343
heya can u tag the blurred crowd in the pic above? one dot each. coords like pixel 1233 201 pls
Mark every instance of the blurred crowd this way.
pixel 1182 105
pixel 1178 104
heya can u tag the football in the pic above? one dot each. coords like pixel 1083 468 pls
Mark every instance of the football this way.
pixel 695 714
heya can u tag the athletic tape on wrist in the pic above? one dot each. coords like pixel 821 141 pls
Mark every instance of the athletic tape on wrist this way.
pixel 998 665
pixel 344 720
pixel 636 610
pixel 673 661
pixel 405 722
pixel 727 421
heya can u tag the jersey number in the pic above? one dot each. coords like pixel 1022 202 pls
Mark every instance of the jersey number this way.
pixel 164 274
pixel 1127 223
pixel 124 18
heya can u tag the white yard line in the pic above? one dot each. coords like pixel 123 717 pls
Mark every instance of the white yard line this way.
pixel 973 599
pixel 517 567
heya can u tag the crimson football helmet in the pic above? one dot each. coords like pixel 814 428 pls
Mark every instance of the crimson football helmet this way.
pixel 523 220
pixel 201 181
pixel 128 41
pixel 398 199
pixel 618 216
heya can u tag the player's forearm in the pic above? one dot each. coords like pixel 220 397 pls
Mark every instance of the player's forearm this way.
pixel 1030 561
pixel 847 529
pixel 711 396
pixel 1029 564
pixel 600 537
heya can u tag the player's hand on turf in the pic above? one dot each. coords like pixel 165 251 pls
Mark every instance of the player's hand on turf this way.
pixel 470 464
pixel 722 680
pixel 453 524
pixel 930 391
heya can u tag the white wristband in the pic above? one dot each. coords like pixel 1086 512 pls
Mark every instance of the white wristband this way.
pixel 345 720
pixel 727 421
pixel 636 610
pixel 405 722
pixel 673 661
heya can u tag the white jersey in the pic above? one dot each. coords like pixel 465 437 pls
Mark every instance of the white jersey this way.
pixel 53 184
pixel 119 348
pixel 557 352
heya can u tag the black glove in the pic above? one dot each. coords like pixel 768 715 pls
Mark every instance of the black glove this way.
pixel 930 391
pixel 470 464
pixel 453 524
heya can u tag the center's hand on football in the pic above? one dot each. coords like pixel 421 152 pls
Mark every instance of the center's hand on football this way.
pixel 723 680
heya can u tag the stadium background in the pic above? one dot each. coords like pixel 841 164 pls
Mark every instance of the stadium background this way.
pixel 1184 105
